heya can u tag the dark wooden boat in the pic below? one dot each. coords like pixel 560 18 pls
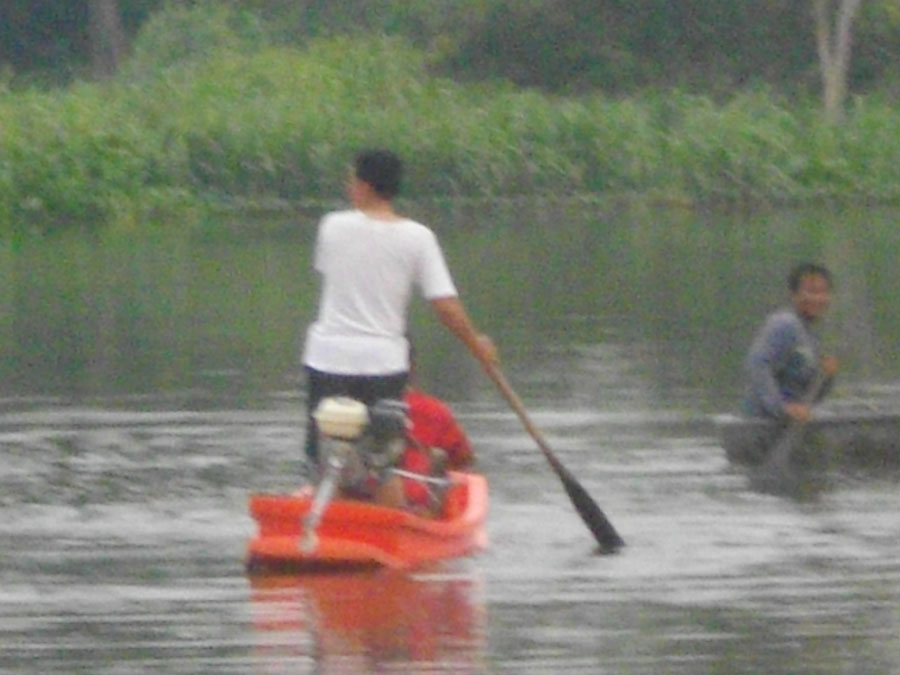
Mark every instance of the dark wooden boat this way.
pixel 837 436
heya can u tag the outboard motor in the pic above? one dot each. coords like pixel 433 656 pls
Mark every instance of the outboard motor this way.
pixel 388 426
pixel 341 417
pixel 376 443
pixel 358 445
pixel 341 422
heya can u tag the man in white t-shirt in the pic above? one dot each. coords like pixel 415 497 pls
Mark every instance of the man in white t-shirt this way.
pixel 371 259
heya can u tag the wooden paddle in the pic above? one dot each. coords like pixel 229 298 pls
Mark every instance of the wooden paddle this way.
pixel 775 471
pixel 603 531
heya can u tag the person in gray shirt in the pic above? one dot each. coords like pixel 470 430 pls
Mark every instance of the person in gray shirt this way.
pixel 785 358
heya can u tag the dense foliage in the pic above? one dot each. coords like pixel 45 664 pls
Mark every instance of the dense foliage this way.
pixel 48 40
pixel 706 46
pixel 214 107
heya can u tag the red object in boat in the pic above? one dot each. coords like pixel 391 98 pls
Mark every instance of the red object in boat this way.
pixel 355 533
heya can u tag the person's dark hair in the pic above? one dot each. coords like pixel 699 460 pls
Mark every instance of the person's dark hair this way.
pixel 381 169
pixel 798 272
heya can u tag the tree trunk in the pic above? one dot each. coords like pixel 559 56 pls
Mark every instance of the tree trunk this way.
pixel 833 43
pixel 107 37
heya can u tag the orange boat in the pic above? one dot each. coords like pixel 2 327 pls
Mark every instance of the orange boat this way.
pixel 356 533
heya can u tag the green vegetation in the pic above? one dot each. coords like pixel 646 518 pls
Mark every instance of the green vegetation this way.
pixel 563 46
pixel 235 120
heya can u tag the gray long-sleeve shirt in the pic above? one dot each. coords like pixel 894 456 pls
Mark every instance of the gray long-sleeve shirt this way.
pixel 782 363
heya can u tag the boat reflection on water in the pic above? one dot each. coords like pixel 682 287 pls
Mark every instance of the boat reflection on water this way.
pixel 364 621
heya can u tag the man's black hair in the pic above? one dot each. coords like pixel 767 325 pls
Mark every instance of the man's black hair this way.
pixel 381 169
pixel 798 272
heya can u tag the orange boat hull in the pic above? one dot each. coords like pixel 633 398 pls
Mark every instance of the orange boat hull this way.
pixel 355 533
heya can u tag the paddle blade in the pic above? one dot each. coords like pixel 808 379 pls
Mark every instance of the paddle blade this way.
pixel 775 475
pixel 599 525
pixel 604 532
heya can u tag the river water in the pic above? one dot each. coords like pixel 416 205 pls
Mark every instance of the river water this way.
pixel 127 454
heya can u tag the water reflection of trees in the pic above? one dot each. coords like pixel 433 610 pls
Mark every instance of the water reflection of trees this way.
pixel 677 293
pixel 680 293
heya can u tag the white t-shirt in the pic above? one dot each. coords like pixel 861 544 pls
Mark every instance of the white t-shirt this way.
pixel 369 268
